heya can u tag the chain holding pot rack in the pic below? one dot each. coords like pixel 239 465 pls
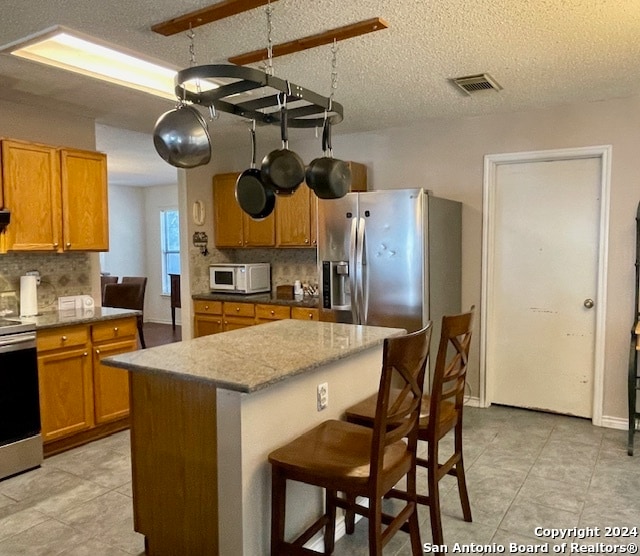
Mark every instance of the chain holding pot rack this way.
pixel 311 109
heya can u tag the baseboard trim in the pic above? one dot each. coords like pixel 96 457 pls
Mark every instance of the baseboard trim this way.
pixel 614 423
pixel 472 401
pixel 160 321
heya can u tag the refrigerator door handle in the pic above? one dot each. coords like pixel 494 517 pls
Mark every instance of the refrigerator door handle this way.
pixel 355 313
pixel 360 267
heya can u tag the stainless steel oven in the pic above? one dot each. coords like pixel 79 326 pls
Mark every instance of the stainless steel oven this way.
pixel 20 440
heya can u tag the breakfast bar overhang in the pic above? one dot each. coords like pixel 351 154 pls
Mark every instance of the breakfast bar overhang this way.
pixel 205 413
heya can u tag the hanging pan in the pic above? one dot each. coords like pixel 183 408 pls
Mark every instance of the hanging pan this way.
pixel 181 137
pixel 254 198
pixel 282 169
pixel 328 177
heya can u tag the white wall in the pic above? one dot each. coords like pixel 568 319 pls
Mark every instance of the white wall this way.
pixel 447 156
pixel 134 238
pixel 126 255
pixel 157 307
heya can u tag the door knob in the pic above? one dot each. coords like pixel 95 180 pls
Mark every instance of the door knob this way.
pixel 588 303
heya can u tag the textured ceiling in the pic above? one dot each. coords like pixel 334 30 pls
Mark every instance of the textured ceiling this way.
pixel 542 52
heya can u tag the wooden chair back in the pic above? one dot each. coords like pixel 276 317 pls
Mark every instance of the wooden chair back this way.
pixel 450 374
pixel 403 369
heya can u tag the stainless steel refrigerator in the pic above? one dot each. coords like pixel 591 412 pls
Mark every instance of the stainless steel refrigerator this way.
pixel 390 258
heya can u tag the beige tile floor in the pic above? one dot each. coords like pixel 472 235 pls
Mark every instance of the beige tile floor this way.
pixel 524 470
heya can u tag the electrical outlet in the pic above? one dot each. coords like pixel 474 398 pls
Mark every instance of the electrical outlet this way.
pixel 322 396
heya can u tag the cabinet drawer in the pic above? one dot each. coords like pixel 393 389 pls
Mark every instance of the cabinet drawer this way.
pixel 63 337
pixel 207 307
pixel 304 313
pixel 239 309
pixel 114 329
pixel 273 312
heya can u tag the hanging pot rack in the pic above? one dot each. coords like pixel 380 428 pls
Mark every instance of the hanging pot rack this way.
pixel 306 109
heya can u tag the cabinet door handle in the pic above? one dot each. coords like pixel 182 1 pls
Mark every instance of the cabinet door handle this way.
pixel 115 329
pixel 310 316
pixel 206 307
pixel 55 245
pixel 68 245
pixel 64 338
pixel 273 312
pixel 97 352
pixel 237 309
pixel 85 354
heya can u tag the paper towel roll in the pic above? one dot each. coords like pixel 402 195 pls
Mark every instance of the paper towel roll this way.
pixel 28 296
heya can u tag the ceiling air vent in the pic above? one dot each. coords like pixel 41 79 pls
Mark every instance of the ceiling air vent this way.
pixel 471 84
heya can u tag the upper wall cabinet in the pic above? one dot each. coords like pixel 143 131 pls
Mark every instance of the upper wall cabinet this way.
pixel 292 224
pixel 233 228
pixel 85 216
pixel 57 198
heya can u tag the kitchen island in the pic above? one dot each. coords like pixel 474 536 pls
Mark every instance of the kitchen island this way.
pixel 205 414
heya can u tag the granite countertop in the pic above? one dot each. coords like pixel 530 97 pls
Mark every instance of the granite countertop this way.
pixel 308 302
pixel 52 319
pixel 256 357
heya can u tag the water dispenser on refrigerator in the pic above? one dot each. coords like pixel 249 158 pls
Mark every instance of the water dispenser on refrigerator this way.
pixel 335 285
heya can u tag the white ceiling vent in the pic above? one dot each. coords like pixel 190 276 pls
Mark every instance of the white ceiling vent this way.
pixel 471 84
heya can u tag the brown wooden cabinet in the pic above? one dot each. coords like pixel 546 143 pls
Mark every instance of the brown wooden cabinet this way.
pixel 268 313
pixel 80 398
pixel 237 315
pixel 232 226
pixel 292 224
pixel 207 317
pixel 111 386
pixel 85 221
pixel 31 186
pixel 211 317
pixel 65 382
pixel 358 176
pixel 293 219
pixel 57 197
pixel 304 313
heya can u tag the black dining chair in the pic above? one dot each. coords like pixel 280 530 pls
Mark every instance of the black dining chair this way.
pixel 127 295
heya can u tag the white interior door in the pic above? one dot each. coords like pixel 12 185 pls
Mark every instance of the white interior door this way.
pixel 542 285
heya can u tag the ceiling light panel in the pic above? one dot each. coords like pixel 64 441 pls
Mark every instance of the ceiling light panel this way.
pixel 63 49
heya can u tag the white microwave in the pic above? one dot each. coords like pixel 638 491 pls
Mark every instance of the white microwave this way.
pixel 240 278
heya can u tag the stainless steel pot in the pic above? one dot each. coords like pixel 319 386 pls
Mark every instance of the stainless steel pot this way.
pixel 181 137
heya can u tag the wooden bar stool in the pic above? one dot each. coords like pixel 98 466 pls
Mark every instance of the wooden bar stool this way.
pixel 356 461
pixel 441 412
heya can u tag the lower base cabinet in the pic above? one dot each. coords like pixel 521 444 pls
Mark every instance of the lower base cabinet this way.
pixel 64 377
pixel 211 317
pixel 81 399
pixel 111 386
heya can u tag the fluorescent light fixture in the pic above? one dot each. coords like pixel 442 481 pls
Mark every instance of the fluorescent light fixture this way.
pixel 66 49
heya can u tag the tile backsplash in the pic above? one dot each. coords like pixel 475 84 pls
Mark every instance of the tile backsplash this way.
pixel 287 265
pixel 61 274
